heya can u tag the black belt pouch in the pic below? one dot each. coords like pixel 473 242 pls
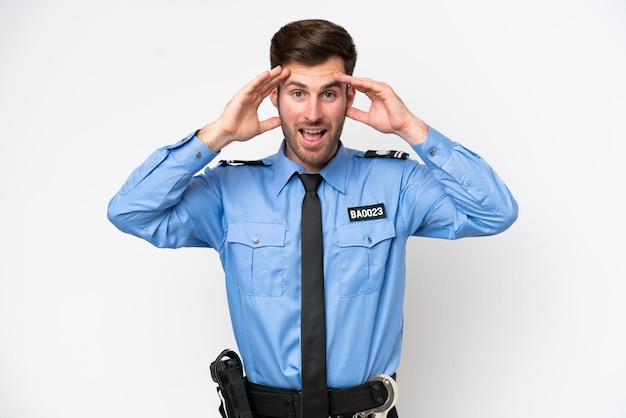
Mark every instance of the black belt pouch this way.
pixel 227 372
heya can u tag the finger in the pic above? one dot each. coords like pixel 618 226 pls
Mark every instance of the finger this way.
pixel 350 80
pixel 361 83
pixel 367 86
pixel 268 124
pixel 264 82
pixel 343 77
pixel 257 81
pixel 358 115
pixel 273 82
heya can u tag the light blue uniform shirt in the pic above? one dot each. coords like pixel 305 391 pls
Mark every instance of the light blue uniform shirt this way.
pixel 251 215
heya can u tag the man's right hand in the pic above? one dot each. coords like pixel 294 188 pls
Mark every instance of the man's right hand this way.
pixel 240 119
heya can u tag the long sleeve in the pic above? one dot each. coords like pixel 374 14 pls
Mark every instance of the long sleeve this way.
pixel 152 205
pixel 473 197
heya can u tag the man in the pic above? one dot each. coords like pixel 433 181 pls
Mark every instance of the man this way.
pixel 371 202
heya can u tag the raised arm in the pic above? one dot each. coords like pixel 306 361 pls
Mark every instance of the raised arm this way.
pixel 473 200
pixel 240 121
pixel 160 198
pixel 387 113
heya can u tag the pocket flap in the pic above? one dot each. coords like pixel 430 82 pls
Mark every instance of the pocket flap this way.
pixel 365 234
pixel 256 234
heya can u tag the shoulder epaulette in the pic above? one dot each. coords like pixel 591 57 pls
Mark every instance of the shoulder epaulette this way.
pixel 243 162
pixel 400 155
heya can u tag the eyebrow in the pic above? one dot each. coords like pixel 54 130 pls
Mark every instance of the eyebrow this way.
pixel 304 86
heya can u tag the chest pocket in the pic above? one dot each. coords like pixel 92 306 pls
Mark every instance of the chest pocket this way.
pixel 258 252
pixel 364 250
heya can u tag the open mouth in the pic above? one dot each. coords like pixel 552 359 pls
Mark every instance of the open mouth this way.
pixel 312 134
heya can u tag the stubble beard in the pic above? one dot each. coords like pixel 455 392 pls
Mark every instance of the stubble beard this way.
pixel 318 157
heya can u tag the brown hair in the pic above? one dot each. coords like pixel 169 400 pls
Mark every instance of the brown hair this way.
pixel 312 42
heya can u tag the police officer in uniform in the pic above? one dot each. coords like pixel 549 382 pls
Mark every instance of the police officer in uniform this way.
pixel 372 202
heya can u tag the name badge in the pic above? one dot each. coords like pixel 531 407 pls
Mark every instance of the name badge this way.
pixel 365 213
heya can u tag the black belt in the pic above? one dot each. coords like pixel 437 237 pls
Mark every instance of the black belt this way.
pixel 285 403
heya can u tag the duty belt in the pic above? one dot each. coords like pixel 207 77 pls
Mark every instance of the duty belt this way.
pixel 276 402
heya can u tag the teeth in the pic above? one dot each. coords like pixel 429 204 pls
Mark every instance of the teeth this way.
pixel 313 132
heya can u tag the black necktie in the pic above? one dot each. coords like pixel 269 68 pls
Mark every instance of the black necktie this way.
pixel 313 321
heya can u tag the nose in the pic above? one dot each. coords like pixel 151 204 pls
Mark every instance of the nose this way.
pixel 314 110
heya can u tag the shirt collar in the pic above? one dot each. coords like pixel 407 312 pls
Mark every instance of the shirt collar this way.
pixel 334 172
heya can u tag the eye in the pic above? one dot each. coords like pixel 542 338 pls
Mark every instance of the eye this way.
pixel 297 94
pixel 329 95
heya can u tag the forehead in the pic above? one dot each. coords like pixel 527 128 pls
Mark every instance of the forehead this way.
pixel 313 76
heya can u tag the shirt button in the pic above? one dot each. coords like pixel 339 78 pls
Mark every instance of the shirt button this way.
pixel 432 152
pixel 198 154
pixel 255 240
pixel 369 240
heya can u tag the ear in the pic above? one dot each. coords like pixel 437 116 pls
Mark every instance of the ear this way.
pixel 274 97
pixel 351 95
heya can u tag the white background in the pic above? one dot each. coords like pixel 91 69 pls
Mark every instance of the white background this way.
pixel 95 323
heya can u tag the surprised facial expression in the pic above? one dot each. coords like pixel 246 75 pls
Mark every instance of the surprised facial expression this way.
pixel 312 107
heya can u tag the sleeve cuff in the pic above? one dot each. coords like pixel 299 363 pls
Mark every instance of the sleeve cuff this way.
pixel 435 149
pixel 191 153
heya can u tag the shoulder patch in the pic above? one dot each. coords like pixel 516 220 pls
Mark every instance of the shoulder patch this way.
pixel 400 155
pixel 243 162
